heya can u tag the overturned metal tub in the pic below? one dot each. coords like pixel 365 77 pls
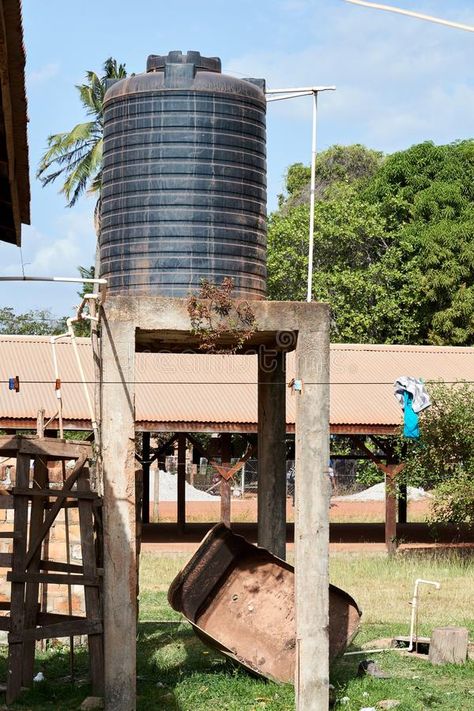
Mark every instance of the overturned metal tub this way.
pixel 240 600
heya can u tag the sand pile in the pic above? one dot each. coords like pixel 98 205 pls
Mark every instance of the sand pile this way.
pixel 377 493
pixel 169 487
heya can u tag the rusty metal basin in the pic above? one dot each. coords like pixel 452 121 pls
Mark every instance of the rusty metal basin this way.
pixel 240 600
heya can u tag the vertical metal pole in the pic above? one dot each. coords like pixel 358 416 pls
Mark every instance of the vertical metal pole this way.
pixel 309 294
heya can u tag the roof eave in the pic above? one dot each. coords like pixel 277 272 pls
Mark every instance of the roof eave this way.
pixel 15 169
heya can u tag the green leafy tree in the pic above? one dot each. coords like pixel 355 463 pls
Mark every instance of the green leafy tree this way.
pixel 37 322
pixel 337 164
pixel 443 458
pixel 75 156
pixel 393 244
pixel 357 268
pixel 426 195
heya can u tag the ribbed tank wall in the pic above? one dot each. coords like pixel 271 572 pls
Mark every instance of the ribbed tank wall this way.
pixel 184 184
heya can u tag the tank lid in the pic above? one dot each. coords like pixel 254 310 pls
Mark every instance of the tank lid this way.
pixel 157 62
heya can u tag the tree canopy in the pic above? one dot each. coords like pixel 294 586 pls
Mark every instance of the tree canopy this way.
pixel 443 458
pixel 393 243
pixel 37 322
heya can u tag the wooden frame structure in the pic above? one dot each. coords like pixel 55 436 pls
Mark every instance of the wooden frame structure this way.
pixel 36 504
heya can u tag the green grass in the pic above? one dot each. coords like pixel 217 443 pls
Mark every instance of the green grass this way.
pixel 177 672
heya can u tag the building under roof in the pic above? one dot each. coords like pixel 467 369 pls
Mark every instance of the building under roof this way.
pixel 198 392
pixel 14 180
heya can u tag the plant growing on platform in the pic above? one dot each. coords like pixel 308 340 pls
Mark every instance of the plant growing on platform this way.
pixel 221 323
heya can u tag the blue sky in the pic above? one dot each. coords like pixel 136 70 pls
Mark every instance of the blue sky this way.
pixel 399 81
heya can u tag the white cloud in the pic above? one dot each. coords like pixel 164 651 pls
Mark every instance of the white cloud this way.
pixel 44 255
pixel 43 74
pixel 398 80
pixel 70 243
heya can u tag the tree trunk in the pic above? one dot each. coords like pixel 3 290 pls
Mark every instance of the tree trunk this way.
pixel 448 645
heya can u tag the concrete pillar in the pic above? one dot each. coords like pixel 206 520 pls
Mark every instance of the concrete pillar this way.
pixel 120 570
pixel 312 520
pixel 272 452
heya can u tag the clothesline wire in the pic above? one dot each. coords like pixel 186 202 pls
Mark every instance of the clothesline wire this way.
pixel 222 382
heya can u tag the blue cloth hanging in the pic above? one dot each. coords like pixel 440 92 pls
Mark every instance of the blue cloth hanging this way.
pixel 410 418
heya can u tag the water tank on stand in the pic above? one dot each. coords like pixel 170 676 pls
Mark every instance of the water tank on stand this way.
pixel 184 180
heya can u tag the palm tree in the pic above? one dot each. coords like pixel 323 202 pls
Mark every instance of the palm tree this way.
pixel 76 156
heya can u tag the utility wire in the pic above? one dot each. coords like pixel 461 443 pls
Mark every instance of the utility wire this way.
pixel 222 382
pixel 412 13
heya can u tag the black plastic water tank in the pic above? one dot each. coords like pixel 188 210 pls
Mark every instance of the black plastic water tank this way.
pixel 184 180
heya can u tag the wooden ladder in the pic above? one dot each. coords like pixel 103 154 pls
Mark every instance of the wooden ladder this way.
pixel 28 621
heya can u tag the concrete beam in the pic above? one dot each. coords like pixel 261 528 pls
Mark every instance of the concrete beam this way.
pixel 120 564
pixel 163 323
pixel 272 452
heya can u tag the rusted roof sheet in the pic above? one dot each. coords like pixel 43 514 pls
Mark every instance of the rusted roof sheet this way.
pixel 198 390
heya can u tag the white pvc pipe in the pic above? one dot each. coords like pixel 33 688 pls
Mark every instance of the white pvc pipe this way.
pixel 71 334
pixel 309 292
pixel 373 651
pixel 412 13
pixel 56 376
pixel 298 89
pixel 67 280
pixel 414 603
pixel 288 96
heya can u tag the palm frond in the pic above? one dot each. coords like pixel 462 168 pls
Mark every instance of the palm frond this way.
pixel 76 155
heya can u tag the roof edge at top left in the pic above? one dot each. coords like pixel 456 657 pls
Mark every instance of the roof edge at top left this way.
pixel 14 178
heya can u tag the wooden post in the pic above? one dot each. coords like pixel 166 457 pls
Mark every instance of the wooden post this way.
pixel 390 508
pixel 272 452
pixel 312 520
pixel 402 503
pixel 156 494
pixel 181 494
pixel 225 485
pixel 146 477
pixel 391 471
pixel 40 481
pixel 91 593
pixel 120 568
pixel 17 606
pixel 40 423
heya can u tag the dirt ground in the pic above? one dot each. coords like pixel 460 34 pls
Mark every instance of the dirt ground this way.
pixel 246 511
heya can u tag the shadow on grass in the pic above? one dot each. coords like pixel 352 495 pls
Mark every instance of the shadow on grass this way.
pixel 190 675
pixel 171 655
pixel 57 691
pixel 175 672
pixel 343 670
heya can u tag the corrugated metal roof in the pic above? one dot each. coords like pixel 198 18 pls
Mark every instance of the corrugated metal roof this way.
pixel 199 388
